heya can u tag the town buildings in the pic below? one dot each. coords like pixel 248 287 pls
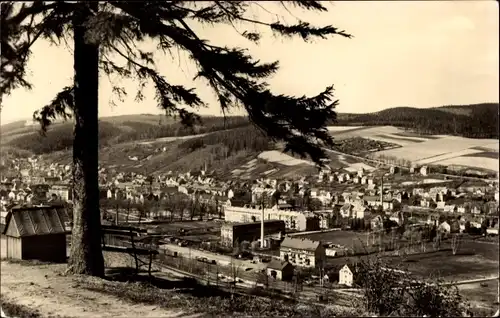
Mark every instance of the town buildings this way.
pixel 302 252
pixel 294 220
pixel 239 232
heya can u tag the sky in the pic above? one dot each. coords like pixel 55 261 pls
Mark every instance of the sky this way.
pixel 407 53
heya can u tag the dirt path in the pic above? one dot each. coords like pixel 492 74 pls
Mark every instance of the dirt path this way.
pixel 44 288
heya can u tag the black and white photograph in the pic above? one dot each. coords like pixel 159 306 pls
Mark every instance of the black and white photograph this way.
pixel 249 159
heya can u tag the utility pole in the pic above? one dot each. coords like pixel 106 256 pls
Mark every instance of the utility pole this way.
pixel 262 223
pixel 117 214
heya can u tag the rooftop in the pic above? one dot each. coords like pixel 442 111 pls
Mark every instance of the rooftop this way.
pixel 300 244
pixel 30 221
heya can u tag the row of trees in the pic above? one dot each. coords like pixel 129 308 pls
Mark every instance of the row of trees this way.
pixel 60 137
pixel 174 207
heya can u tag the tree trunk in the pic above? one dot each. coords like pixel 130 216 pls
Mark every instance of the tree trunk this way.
pixel 86 251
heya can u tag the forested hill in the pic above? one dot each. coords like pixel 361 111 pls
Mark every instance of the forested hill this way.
pixel 471 121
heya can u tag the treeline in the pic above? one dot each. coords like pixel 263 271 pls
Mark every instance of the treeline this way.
pixel 209 124
pixel 481 120
pixel 58 138
pixel 243 138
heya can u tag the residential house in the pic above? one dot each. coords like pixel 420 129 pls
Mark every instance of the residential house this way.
pixel 374 201
pixel 376 223
pixel 62 191
pixel 475 208
pixel 397 217
pixel 325 220
pixel 444 227
pixel 280 270
pixel 492 230
pixel 424 170
pixel 361 172
pixel 412 169
pixel 302 252
pixel 346 275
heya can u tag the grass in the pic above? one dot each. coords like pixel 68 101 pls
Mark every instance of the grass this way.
pixel 14 310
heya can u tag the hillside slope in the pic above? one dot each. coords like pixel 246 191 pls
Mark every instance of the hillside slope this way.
pixel 114 130
pixel 472 121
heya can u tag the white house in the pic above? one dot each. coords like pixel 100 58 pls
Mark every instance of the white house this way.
pixel 363 180
pixel 423 170
pixel 445 227
pixel 346 276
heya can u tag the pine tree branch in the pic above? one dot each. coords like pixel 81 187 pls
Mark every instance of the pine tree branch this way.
pixel 58 107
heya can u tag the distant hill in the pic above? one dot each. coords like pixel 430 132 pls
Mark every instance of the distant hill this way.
pixel 114 130
pixel 471 121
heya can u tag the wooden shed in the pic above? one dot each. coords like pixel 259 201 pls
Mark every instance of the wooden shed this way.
pixel 37 232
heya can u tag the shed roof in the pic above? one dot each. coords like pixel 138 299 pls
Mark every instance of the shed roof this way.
pixel 31 221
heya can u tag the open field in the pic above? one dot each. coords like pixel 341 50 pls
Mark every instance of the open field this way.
pixel 419 149
pixel 446 156
pixel 464 265
pixel 449 151
pixel 282 158
pixel 343 128
pixel 475 162
pixel 484 154
pixel 370 131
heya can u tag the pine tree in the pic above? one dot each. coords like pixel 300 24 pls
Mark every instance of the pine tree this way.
pixel 109 29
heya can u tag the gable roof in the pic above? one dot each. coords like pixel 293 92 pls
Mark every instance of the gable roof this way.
pixel 279 265
pixel 300 244
pixel 31 221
